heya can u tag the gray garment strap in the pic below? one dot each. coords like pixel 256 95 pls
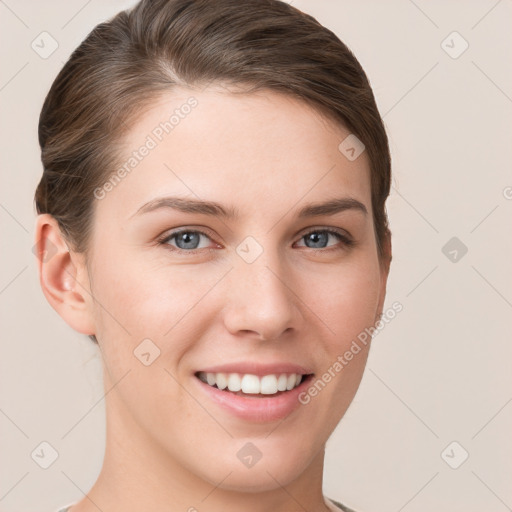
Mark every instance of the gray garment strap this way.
pixel 342 507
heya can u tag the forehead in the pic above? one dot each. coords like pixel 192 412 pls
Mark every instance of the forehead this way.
pixel 260 151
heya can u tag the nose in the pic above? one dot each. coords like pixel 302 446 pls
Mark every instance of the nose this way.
pixel 261 301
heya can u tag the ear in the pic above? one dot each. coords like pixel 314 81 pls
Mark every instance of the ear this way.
pixel 63 276
pixel 384 271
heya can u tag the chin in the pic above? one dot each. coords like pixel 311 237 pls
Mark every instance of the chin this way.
pixel 269 469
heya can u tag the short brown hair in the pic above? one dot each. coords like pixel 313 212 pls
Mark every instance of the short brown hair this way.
pixel 126 62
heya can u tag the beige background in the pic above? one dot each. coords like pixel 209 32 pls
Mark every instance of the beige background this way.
pixel 440 372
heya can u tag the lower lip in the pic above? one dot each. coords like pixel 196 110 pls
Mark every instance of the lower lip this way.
pixel 256 409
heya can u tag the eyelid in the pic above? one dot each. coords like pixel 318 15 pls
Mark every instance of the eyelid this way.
pixel 344 236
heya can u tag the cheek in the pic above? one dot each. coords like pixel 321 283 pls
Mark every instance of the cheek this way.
pixel 141 298
pixel 345 300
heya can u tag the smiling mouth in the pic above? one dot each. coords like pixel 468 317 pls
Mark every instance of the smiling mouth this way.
pixel 253 386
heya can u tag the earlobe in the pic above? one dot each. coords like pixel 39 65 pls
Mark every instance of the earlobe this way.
pixel 62 276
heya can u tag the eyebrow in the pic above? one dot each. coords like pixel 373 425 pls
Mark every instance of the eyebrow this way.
pixel 212 208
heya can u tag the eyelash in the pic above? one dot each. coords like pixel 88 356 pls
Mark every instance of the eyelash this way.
pixel 347 242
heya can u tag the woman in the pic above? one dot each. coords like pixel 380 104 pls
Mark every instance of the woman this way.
pixel 212 214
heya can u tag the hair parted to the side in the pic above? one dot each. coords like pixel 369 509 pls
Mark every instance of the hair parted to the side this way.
pixel 124 64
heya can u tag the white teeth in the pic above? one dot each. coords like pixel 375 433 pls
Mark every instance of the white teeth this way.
pixel 222 380
pixel 269 385
pixel 234 382
pixel 290 384
pixel 281 382
pixel 252 384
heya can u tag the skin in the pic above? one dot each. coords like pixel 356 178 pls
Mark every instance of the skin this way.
pixel 168 446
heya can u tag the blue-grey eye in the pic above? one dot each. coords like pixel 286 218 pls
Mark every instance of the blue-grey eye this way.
pixel 186 239
pixel 319 238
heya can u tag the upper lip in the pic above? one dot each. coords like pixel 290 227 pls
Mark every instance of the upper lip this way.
pixel 259 369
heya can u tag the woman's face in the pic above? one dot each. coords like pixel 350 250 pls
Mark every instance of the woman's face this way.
pixel 241 290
